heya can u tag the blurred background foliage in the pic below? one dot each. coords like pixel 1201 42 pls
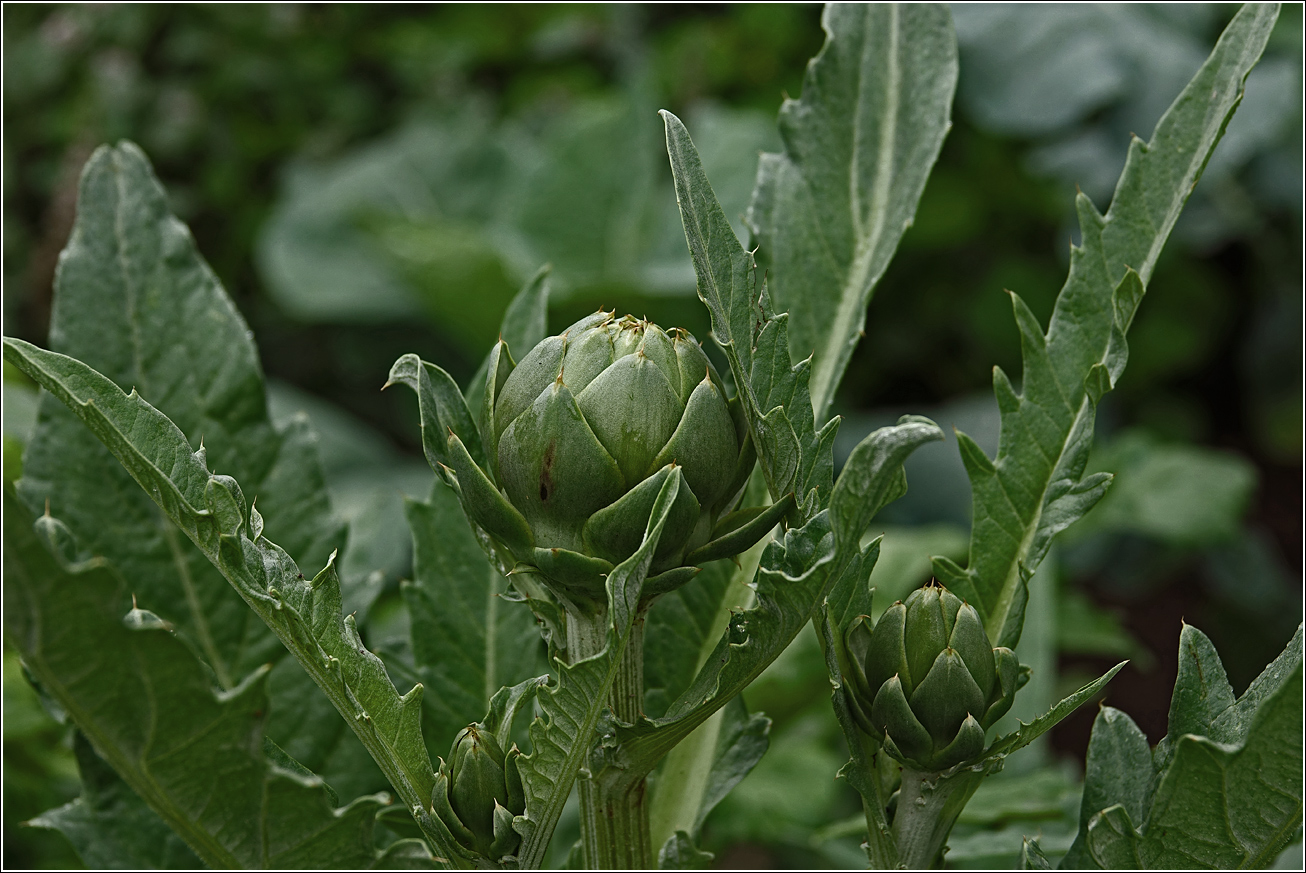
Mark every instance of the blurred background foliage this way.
pixel 374 180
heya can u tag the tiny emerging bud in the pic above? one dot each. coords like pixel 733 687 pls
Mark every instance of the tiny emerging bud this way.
pixel 478 792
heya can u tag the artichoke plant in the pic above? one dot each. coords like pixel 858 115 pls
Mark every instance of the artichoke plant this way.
pixel 926 681
pixel 580 437
pixel 478 792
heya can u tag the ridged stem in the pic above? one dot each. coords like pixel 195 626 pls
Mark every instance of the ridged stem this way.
pixel 928 806
pixel 614 821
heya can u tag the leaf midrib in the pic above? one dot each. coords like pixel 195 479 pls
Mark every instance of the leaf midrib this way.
pixel 850 296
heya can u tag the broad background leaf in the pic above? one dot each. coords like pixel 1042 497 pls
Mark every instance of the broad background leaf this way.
pixel 829 211
pixel 149 707
pixel 135 301
pixel 467 641
pixel 110 826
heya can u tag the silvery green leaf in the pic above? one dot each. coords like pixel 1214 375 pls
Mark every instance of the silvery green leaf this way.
pixel 1027 733
pixel 858 147
pixel 873 476
pixel 794 456
pixel 1036 486
pixel 148 705
pixel 210 510
pixel 136 301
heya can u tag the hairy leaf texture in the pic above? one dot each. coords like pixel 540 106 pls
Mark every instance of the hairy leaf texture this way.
pixel 1036 486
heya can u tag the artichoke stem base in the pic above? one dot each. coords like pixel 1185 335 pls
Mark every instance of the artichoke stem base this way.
pixel 928 806
pixel 614 821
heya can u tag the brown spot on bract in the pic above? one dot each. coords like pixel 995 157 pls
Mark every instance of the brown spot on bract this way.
pixel 546 477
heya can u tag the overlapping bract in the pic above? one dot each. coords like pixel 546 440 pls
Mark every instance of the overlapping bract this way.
pixel 479 791
pixel 581 436
pixel 928 679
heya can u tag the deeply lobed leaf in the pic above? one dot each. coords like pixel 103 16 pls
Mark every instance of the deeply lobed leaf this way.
pixel 135 300
pixel 1222 789
pixel 1036 486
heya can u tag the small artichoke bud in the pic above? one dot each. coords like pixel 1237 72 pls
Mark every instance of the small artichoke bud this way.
pixel 580 438
pixel 478 792
pixel 927 678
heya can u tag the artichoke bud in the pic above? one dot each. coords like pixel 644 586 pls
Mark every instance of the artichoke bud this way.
pixel 479 792
pixel 582 434
pixel 929 679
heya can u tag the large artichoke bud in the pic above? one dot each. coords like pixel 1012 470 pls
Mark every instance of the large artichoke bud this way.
pixel 478 792
pixel 582 435
pixel 928 679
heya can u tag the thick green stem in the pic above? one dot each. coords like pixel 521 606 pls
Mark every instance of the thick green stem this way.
pixel 928 806
pixel 881 851
pixel 614 820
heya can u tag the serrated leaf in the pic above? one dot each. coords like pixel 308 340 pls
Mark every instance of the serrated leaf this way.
pixel 1036 486
pixel 467 641
pixel 1218 805
pixel 1027 733
pixel 859 144
pixel 305 616
pixel 305 724
pixel 134 299
pixel 149 708
pixel 794 456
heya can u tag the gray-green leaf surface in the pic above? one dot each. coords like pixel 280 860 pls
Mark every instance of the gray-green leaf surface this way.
pixel 1036 486
pixel 467 641
pixel 211 510
pixel 858 146
pixel 135 301
pixel 1222 789
pixel 149 708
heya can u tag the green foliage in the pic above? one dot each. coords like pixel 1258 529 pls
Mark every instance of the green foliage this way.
pixel 1036 486
pixel 1222 789
pixel 828 213
pixel 444 218
pixel 148 706
pixel 468 641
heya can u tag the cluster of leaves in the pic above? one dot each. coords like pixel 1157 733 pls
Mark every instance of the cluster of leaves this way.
pixel 460 638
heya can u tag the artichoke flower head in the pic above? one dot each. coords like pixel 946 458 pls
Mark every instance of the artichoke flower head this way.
pixel 581 436
pixel 928 679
